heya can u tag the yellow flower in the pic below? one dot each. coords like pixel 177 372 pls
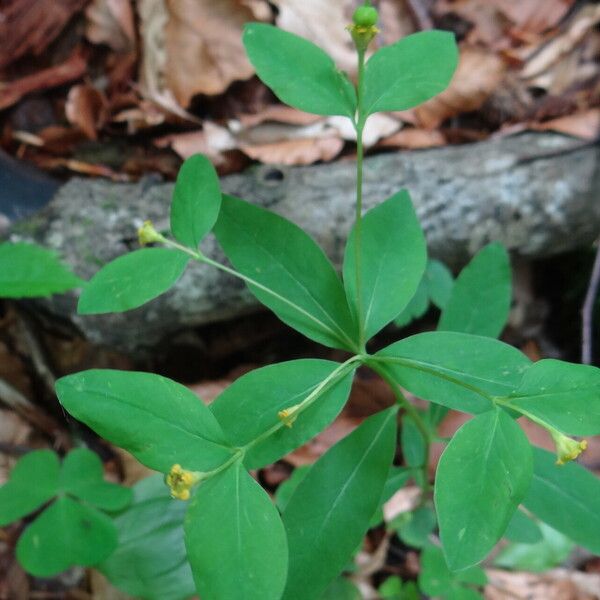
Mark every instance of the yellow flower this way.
pixel 289 415
pixel 148 235
pixel 567 449
pixel 181 481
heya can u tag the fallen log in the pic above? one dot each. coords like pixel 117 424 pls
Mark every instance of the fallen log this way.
pixel 539 194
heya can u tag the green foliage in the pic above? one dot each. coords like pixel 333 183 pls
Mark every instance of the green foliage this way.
pixel 247 555
pixel 435 287
pixel 567 498
pixel 482 477
pixel 409 72
pixel 196 201
pixel 436 580
pixel 151 561
pixel 28 271
pixel 481 295
pixel 456 370
pixel 341 589
pixel 522 529
pixel 337 498
pixel 131 280
pixel 562 394
pixel 237 543
pixel 550 551
pixel 69 531
pixel 279 256
pixel 248 408
pixel 176 427
pixel 393 588
pixel 316 86
pixel 392 250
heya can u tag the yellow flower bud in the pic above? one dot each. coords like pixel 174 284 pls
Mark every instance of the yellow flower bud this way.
pixel 181 481
pixel 148 235
pixel 288 415
pixel 567 449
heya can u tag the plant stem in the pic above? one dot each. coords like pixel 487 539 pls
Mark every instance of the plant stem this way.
pixel 198 256
pixel 359 126
pixel 341 371
pixel 412 412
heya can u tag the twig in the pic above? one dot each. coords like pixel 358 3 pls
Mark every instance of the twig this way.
pixel 420 14
pixel 29 411
pixel 36 352
pixel 587 312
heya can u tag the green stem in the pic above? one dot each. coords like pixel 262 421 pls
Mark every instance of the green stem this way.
pixel 359 126
pixel 198 256
pixel 412 412
pixel 340 372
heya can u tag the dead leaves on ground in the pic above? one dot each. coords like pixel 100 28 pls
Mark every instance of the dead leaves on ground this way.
pixel 173 73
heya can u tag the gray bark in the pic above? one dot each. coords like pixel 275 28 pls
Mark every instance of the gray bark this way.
pixel 536 193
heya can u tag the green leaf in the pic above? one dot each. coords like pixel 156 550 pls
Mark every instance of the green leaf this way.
pixel 248 408
pixel 27 271
pixel 416 308
pixel 332 506
pixel 481 295
pixel 397 478
pixel 551 551
pixel 306 292
pixel 235 539
pixel 64 535
pixel 564 395
pixel 82 475
pixel 159 421
pixel 131 280
pixel 409 72
pixel 286 490
pixel 34 480
pixel 482 476
pixel 393 256
pixel 523 529
pixel 151 561
pixel 196 201
pixel 416 529
pixel 412 442
pixel 435 579
pixel 439 282
pixel 457 370
pixel 566 497
pixel 300 73
pixel 341 589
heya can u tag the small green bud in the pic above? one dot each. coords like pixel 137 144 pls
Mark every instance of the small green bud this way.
pixel 365 16
pixel 567 449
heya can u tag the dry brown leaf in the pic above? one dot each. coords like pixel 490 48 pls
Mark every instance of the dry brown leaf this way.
pixel 310 452
pixel 321 23
pixel 561 45
pixel 534 15
pixel 278 113
pixel 378 126
pixel 111 22
pixel 404 500
pixel 414 138
pixel 86 107
pixel 73 68
pixel 204 47
pixel 558 584
pixel 212 141
pixel 584 124
pixel 295 152
pixel 395 21
pixel 153 22
pixel 14 431
pixel 29 26
pixel 479 73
